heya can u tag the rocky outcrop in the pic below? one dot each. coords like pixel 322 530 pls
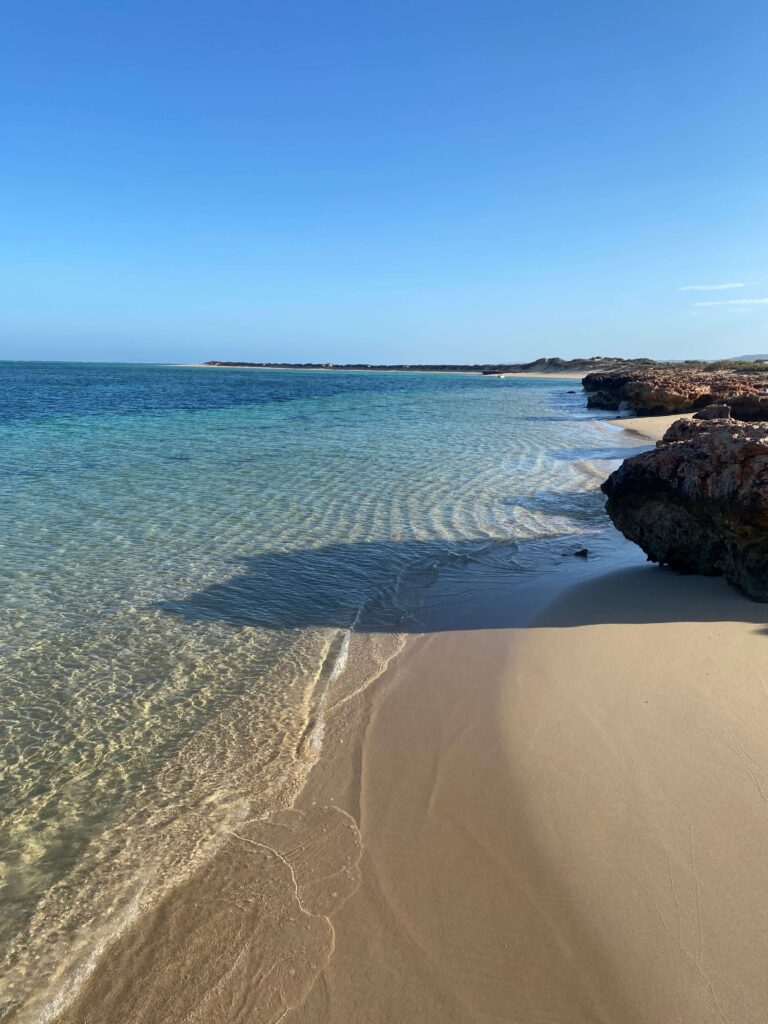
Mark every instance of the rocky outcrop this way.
pixel 720 411
pixel 749 408
pixel 661 391
pixel 699 501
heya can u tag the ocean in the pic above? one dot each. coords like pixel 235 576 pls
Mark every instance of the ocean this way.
pixel 190 558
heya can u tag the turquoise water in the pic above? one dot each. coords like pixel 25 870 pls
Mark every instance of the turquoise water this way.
pixel 186 556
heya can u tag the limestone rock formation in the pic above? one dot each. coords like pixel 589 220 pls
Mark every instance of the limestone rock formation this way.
pixel 698 501
pixel 719 411
pixel 666 390
pixel 747 407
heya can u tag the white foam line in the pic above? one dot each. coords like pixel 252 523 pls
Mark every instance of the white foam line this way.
pixel 281 858
pixel 72 986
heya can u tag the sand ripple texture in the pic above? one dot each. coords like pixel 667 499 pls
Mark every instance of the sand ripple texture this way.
pixel 186 555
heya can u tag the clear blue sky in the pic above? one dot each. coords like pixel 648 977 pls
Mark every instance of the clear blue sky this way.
pixel 398 181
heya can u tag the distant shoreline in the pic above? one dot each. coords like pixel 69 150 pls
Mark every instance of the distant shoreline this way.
pixel 571 375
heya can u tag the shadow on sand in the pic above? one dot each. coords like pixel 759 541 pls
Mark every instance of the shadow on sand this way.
pixel 326 587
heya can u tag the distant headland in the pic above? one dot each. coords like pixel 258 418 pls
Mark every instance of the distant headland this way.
pixel 551 365
pixel 546 365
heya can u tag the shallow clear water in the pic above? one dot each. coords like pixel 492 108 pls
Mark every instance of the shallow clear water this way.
pixel 184 552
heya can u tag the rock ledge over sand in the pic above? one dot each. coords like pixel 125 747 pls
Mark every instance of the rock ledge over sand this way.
pixel 699 501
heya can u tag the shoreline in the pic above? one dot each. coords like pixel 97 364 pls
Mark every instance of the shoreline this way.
pixel 321 833
pixel 526 814
pixel 547 376
pixel 344 369
pixel 550 805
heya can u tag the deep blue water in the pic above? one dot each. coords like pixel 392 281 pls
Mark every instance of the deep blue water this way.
pixel 50 390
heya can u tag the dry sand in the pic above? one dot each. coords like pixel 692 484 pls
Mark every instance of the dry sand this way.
pixel 565 822
pixel 558 376
pixel 652 427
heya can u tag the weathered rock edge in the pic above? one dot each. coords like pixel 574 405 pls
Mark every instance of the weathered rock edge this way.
pixel 657 392
pixel 698 501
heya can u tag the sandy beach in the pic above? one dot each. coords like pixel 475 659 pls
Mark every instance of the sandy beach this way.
pixel 550 807
pixel 557 376
pixel 651 427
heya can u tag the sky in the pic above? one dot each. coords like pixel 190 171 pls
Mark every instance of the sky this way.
pixel 397 181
